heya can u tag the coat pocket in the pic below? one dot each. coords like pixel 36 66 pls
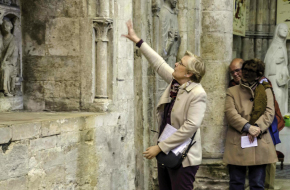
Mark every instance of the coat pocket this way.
pixel 266 138
pixel 232 136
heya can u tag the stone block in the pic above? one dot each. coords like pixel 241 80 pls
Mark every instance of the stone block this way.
pixel 52 89
pixel 111 119
pixel 49 128
pixel 213 144
pixel 62 37
pixel 19 183
pixel 54 178
pixel 125 89
pixel 43 143
pixel 69 89
pixel 72 124
pixel 217 22
pixel 222 5
pixel 5 134
pixel 14 162
pixel 50 158
pixel 25 131
pixel 33 45
pixel 35 178
pixel 62 104
pixel 33 104
pixel 51 68
pixel 217 75
pixel 34 89
pixel 10 103
pixel 69 138
pixel 210 42
pixel 214 114
pixel 125 71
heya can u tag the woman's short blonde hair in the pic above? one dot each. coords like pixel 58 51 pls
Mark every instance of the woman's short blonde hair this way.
pixel 195 66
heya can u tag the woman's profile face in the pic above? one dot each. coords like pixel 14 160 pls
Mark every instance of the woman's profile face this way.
pixel 283 31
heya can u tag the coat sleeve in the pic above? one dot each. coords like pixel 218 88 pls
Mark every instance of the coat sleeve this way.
pixel 267 118
pixel 234 119
pixel 192 123
pixel 158 63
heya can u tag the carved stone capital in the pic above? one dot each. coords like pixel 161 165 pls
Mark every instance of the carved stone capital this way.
pixel 102 26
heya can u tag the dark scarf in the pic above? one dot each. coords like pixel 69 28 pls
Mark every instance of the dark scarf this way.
pixel 174 89
pixel 260 100
pixel 233 83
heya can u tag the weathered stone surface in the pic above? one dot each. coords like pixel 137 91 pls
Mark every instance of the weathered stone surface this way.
pixel 11 103
pixel 210 41
pixel 43 143
pixel 25 131
pixel 14 162
pixel 61 35
pixel 62 104
pixel 49 128
pixel 222 5
pixel 216 22
pixel 17 183
pixel 60 68
pixel 5 134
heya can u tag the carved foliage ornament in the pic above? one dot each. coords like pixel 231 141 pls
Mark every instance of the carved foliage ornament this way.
pixel 102 26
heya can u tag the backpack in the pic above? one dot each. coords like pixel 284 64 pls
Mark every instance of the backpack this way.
pixel 278 122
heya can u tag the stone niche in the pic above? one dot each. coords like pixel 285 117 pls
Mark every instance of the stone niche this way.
pixel 10 56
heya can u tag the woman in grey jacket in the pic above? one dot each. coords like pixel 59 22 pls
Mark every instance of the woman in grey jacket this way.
pixel 182 105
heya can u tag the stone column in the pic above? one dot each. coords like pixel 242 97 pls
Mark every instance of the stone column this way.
pixel 183 27
pixel 258 47
pixel 104 8
pixel 272 17
pixel 156 11
pixel 260 18
pixel 252 16
pixel 216 51
pixel 101 25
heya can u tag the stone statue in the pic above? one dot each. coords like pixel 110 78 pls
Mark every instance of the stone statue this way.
pixel 7 2
pixel 276 66
pixel 170 38
pixel 8 59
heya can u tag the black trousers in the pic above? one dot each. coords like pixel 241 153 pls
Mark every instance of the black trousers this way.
pixel 238 175
pixel 178 179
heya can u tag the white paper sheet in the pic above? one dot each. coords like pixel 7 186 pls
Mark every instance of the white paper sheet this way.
pixel 181 147
pixel 167 132
pixel 245 142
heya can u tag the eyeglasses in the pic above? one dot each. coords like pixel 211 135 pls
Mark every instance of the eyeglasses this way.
pixel 180 63
pixel 248 70
pixel 235 71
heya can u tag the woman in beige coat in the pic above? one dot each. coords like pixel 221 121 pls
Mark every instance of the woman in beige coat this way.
pixel 182 105
pixel 239 105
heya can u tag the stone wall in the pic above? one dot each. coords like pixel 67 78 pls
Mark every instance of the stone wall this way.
pixel 65 151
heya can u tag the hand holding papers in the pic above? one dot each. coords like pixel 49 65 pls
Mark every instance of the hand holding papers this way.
pixel 167 132
pixel 245 142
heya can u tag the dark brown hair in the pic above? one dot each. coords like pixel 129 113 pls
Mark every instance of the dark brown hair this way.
pixel 256 63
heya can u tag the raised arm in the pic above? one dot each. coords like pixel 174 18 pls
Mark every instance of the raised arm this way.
pixel 158 63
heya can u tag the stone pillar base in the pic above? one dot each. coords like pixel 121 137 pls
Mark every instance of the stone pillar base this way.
pixel 213 175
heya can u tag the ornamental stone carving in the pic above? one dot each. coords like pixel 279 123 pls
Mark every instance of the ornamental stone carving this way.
pixel 102 26
pixel 6 2
pixel 8 58
pixel 276 66
pixel 169 38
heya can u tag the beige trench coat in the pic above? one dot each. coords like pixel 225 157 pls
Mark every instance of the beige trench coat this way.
pixel 187 112
pixel 238 110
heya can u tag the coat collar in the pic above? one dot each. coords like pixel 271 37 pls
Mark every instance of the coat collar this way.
pixel 165 98
pixel 245 87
